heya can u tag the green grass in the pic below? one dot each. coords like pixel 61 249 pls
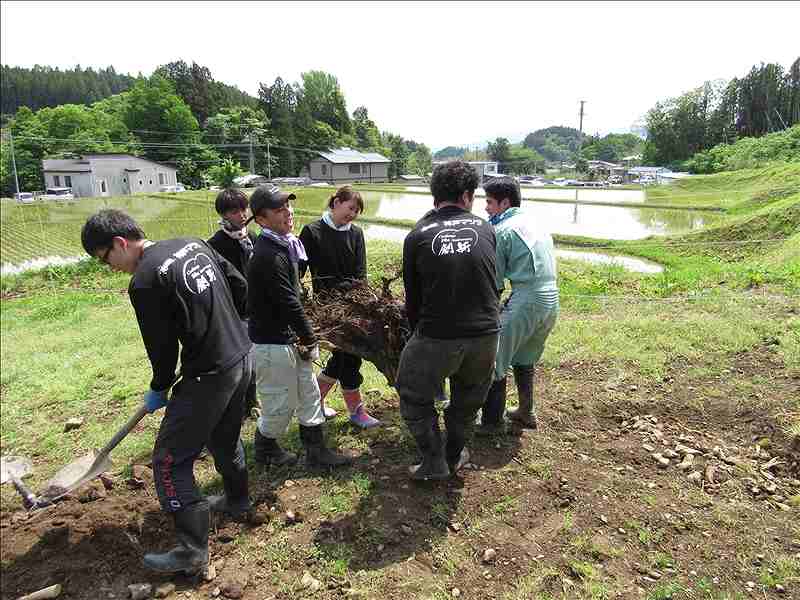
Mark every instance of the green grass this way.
pixel 71 345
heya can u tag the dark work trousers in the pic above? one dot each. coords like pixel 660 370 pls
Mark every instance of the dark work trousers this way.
pixel 203 411
pixel 425 362
pixel 346 368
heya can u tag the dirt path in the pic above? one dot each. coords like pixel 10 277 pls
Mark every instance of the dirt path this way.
pixel 579 510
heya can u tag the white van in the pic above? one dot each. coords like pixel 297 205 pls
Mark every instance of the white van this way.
pixel 25 197
pixel 60 194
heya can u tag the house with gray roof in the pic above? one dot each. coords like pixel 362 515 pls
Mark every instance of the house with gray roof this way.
pixel 343 165
pixel 91 175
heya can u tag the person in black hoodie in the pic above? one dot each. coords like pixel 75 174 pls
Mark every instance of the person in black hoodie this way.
pixel 187 297
pixel 337 259
pixel 451 302
pixel 285 344
pixel 235 243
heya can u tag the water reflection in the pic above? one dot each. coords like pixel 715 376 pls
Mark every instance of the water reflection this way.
pixel 585 195
pixel 608 222
pixel 637 265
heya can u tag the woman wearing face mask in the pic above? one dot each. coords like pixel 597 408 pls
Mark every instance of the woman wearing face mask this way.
pixel 337 259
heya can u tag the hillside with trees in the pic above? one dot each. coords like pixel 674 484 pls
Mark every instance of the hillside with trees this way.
pixel 181 116
pixel 555 144
pixel 749 153
pixel 765 100
pixel 41 87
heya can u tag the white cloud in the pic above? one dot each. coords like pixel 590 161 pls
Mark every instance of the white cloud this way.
pixel 450 73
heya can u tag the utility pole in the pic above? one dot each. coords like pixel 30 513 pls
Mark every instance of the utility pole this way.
pixel 580 128
pixel 252 158
pixel 13 160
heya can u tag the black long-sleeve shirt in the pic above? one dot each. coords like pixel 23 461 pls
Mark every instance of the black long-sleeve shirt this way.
pixel 231 249
pixel 185 294
pixel 449 275
pixel 334 257
pixel 273 299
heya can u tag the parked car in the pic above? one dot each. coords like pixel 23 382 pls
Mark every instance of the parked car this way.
pixel 60 194
pixel 173 189
pixel 25 197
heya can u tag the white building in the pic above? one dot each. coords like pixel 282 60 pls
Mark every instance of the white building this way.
pixel 107 174
pixel 343 165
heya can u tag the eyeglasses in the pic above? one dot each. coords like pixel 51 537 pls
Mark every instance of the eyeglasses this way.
pixel 104 258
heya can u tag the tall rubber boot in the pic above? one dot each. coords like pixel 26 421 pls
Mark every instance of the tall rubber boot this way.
pixel 429 441
pixel 493 409
pixel 235 501
pixel 326 384
pixel 191 553
pixel 317 454
pixel 525 415
pixel 456 453
pixel 355 406
pixel 268 452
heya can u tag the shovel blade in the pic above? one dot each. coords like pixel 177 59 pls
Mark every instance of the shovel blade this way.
pixel 75 474
pixel 18 466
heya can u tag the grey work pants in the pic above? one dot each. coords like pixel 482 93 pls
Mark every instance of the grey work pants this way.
pixel 425 362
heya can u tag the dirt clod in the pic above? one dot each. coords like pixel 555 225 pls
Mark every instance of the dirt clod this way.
pixel 140 591
pixel 164 590
pixel 73 423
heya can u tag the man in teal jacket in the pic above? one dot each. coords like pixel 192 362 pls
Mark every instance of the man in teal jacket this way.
pixel 525 257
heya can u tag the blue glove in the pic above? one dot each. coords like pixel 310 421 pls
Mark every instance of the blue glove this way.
pixel 154 400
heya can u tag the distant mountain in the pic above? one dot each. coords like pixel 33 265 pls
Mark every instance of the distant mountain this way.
pixel 555 143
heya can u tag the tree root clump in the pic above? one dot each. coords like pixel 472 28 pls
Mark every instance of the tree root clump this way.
pixel 364 321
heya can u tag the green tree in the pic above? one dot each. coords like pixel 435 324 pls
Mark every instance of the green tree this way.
pixel 500 151
pixel 279 103
pixel 225 172
pixel 367 135
pixel 420 162
pixel 322 98
pixel 159 116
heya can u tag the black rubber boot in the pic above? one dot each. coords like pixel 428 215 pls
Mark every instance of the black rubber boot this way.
pixel 235 501
pixel 317 454
pixel 268 452
pixel 459 461
pixel 191 553
pixel 492 422
pixel 430 444
pixel 525 415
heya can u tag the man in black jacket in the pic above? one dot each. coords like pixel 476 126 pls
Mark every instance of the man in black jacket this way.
pixel 186 296
pixel 285 344
pixel 452 307
pixel 235 243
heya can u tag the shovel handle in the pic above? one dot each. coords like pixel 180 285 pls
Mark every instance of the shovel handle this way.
pixel 126 429
pixel 28 497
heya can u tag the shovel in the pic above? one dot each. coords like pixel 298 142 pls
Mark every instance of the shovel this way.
pixel 13 469
pixel 70 477
pixel 89 466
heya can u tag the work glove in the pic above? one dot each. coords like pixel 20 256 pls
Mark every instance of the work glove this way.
pixel 154 400
pixel 308 352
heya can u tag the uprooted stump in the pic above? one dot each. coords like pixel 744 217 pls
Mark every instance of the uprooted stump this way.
pixel 364 321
